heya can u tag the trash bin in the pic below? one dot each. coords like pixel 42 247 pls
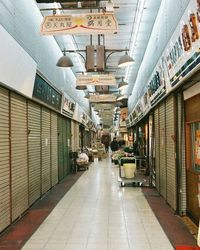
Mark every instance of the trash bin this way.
pixel 129 169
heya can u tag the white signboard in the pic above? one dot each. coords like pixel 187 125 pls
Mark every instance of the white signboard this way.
pixel 68 105
pixel 108 79
pixel 102 98
pixel 79 24
pixel 77 116
pixel 183 48
pixel 17 68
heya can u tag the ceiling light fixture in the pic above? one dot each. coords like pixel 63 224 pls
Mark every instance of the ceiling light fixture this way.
pixel 64 61
pixel 135 31
pixel 122 97
pixel 109 6
pixel 82 87
pixel 125 60
pixel 122 84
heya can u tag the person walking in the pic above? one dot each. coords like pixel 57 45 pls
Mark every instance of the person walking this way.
pixel 114 145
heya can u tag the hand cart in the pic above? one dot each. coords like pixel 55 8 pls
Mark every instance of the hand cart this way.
pixel 137 180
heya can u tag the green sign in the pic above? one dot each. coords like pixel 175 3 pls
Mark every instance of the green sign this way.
pixel 46 93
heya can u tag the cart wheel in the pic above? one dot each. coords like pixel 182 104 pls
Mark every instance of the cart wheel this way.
pixel 122 184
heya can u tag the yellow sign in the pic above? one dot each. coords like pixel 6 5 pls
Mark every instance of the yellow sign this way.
pixel 79 24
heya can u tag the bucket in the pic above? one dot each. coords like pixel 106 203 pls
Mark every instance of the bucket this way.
pixel 129 169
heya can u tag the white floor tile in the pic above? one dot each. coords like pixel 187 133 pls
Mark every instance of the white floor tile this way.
pixel 97 214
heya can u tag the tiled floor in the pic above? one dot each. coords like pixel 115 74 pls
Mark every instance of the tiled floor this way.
pixel 97 214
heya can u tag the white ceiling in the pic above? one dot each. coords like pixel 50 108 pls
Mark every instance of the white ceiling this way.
pixel 132 27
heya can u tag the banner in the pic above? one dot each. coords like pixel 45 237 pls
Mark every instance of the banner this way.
pixel 97 80
pixel 79 24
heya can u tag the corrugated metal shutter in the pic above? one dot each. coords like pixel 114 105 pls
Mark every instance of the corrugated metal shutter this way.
pixel 157 148
pixel 74 135
pixel 68 145
pixel 19 153
pixel 65 164
pixel 46 150
pixel 163 173
pixel 60 149
pixel 181 172
pixel 170 151
pixel 4 160
pixel 34 151
pixel 54 149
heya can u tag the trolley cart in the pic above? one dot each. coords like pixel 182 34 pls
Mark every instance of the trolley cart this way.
pixel 82 165
pixel 136 180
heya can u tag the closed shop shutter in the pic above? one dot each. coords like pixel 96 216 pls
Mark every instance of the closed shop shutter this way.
pixel 68 144
pixel 46 150
pixel 170 152
pixel 163 172
pixel 54 149
pixel 65 163
pixel 157 148
pixel 19 155
pixel 4 160
pixel 34 151
pixel 60 149
pixel 181 169
pixel 74 135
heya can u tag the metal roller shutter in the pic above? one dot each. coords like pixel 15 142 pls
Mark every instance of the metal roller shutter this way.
pixel 163 172
pixel 46 150
pixel 170 152
pixel 65 158
pixel 74 137
pixel 60 149
pixel 54 149
pixel 4 160
pixel 19 159
pixel 181 168
pixel 34 151
pixel 68 144
pixel 157 148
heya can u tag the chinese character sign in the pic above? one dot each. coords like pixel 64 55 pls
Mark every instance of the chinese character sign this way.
pixel 79 24
pixel 97 80
pixel 102 98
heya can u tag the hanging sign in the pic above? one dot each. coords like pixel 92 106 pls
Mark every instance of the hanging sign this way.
pixel 102 98
pixel 79 24
pixel 97 80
